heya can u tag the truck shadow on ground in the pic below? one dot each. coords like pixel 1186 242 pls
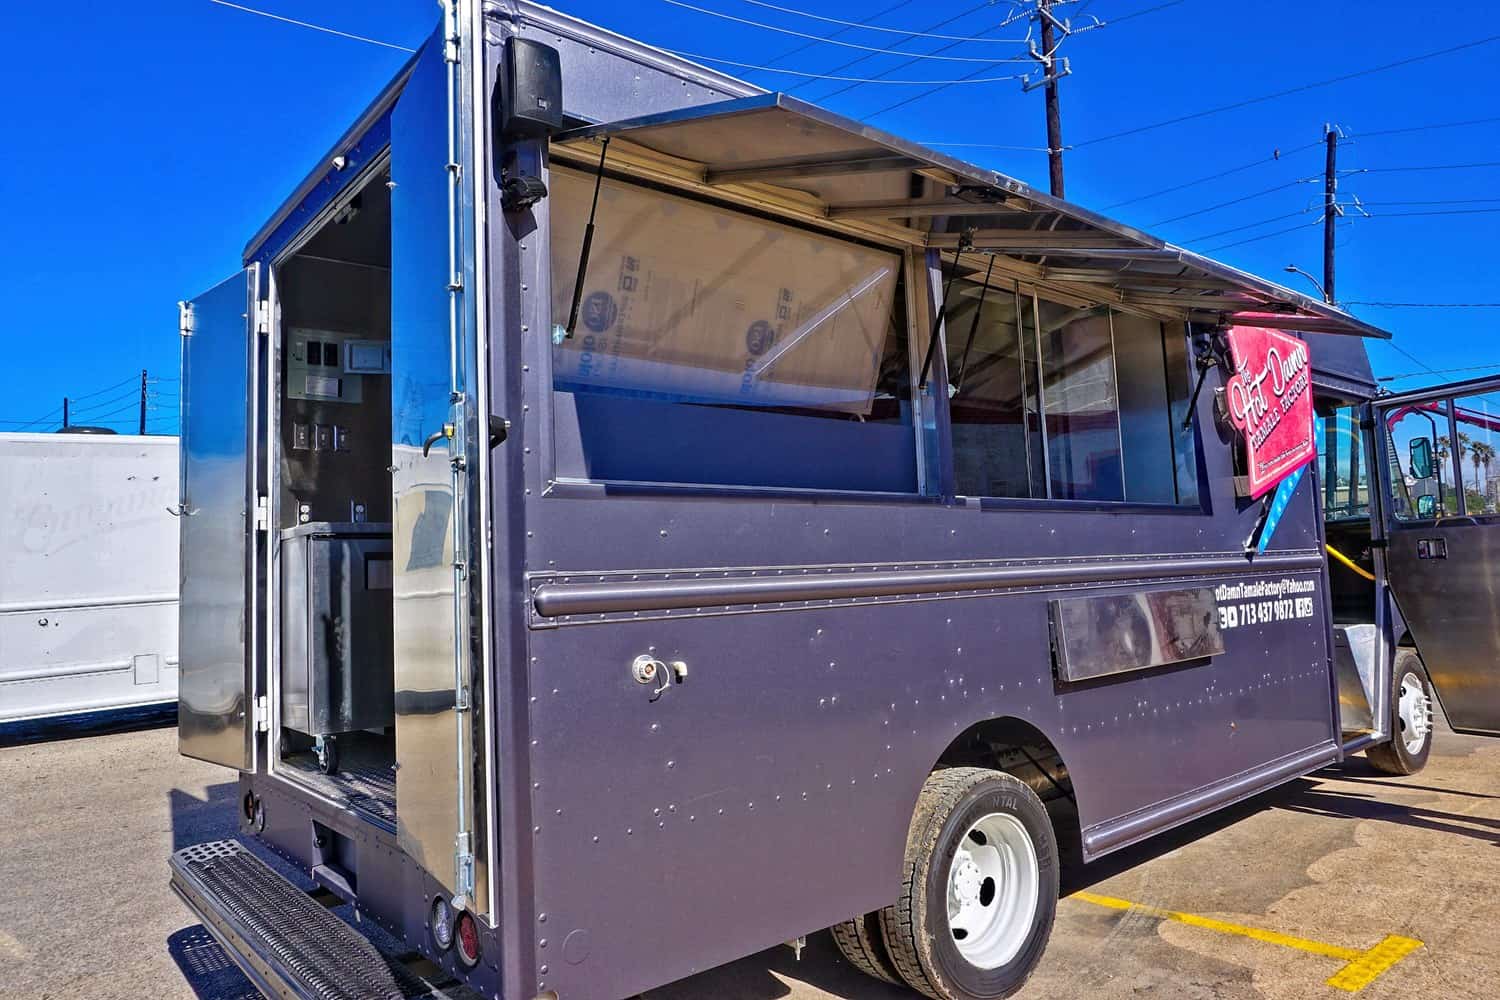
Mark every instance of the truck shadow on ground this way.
pixel 769 975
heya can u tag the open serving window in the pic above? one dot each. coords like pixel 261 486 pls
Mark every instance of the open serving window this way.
pixel 782 156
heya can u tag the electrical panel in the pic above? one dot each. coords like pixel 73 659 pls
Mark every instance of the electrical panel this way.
pixel 317 365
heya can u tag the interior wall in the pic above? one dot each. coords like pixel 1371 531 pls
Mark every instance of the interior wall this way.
pixel 329 475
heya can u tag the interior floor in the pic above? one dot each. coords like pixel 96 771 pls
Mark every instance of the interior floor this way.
pixel 365 776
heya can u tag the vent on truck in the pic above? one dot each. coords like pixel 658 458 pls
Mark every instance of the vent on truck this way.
pixel 288 944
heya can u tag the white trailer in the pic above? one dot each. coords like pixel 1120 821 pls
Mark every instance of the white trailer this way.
pixel 88 574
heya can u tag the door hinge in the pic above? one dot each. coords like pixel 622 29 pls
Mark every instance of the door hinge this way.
pixel 262 513
pixel 262 316
pixel 185 318
pixel 262 714
pixel 463 869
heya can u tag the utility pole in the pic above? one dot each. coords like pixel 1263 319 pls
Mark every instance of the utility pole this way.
pixel 1054 111
pixel 65 413
pixel 143 402
pixel 1331 209
pixel 1053 32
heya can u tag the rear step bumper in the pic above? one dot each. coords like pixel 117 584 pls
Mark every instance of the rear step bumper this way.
pixel 288 944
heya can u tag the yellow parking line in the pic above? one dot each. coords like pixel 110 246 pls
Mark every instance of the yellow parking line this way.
pixel 1361 968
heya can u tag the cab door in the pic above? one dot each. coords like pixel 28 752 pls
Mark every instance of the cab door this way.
pixel 1440 470
pixel 214 692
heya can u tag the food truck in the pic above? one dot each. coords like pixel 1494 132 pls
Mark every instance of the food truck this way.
pixel 631 519
pixel 88 581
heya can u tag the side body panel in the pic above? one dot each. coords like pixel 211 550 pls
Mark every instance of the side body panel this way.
pixel 214 714
pixel 88 581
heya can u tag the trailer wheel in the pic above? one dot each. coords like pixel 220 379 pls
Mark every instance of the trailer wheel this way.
pixel 1411 719
pixel 861 943
pixel 979 887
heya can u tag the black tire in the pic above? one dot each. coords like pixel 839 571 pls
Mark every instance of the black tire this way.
pixel 915 929
pixel 1394 757
pixel 861 943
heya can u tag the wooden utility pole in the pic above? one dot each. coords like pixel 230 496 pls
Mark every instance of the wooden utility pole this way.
pixel 143 402
pixel 1054 111
pixel 65 413
pixel 1330 206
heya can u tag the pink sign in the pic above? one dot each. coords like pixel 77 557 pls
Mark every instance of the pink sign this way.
pixel 1269 398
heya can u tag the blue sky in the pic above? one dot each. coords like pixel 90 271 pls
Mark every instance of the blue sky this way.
pixel 142 152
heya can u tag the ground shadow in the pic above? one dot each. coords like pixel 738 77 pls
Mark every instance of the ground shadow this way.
pixel 1353 805
pixel 206 968
pixel 86 724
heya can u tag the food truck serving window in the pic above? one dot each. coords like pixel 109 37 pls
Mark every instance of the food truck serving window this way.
pixel 715 348
pixel 1051 401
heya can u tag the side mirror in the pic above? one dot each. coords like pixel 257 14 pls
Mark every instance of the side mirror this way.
pixel 1420 456
pixel 1426 506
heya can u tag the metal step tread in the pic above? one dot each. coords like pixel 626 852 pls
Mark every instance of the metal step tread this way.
pixel 289 944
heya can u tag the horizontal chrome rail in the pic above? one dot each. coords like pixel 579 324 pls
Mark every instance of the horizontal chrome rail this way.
pixel 604 596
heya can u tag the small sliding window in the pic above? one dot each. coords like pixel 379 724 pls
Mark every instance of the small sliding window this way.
pixel 1050 401
pixel 718 349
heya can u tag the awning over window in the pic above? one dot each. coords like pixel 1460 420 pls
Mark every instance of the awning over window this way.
pixel 792 159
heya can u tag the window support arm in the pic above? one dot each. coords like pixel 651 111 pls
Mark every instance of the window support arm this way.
pixel 965 240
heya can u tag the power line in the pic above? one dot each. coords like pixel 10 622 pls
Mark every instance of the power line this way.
pixel 1139 13
pixel 1439 166
pixel 309 24
pixel 1428 305
pixel 1456 211
pixel 844 31
pixel 931 27
pixel 1449 201
pixel 109 388
pixel 1261 161
pixel 1236 201
pixel 1439 371
pixel 1291 90
pixel 76 409
pixel 1266 236
pixel 1410 356
pixel 825 40
pixel 1250 225
pixel 984 145
pixel 858 80
pixel 1423 128
pixel 881 28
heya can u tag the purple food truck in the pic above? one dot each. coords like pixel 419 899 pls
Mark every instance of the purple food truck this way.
pixel 631 519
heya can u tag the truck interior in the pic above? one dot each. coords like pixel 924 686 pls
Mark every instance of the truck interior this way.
pixel 331 456
pixel 1344 477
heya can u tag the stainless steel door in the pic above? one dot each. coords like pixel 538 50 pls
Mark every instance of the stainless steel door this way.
pixel 213 690
pixel 432 356
pixel 1444 541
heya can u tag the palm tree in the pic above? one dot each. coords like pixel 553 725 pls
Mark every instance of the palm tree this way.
pixel 1481 452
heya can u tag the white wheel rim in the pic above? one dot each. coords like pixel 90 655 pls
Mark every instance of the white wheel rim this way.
pixel 992 891
pixel 1414 714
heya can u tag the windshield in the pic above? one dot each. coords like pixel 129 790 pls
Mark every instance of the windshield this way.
pixel 1346 474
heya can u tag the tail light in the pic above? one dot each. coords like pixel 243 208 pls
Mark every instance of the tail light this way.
pixel 467 938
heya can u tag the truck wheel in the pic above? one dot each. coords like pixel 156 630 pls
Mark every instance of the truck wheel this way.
pixel 861 943
pixel 1411 719
pixel 979 887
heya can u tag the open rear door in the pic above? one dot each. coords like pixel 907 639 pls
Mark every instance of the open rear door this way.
pixel 1440 473
pixel 213 687
pixel 434 462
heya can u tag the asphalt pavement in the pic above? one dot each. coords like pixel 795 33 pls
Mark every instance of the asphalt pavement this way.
pixel 1347 882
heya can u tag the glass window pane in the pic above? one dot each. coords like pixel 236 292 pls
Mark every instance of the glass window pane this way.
pixel 1420 489
pixel 996 448
pixel 716 348
pixel 1478 440
pixel 1147 433
pixel 1080 403
pixel 1346 476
